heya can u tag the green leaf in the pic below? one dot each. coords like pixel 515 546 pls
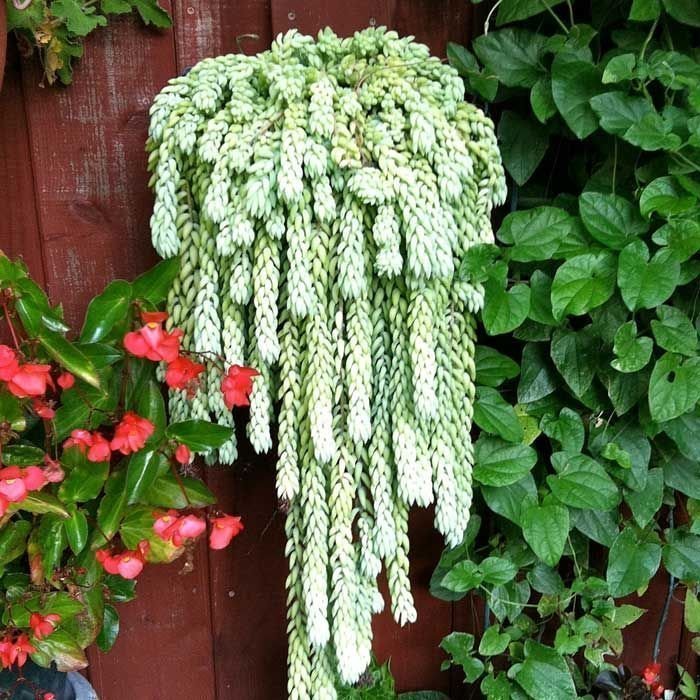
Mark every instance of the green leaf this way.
pixel 492 367
pixel 515 10
pixel 682 236
pixel 167 492
pixel 497 570
pixel 546 529
pixel 498 463
pixel 59 648
pixel 199 435
pixel 691 611
pixel 681 555
pixel 610 219
pixel 536 233
pixel 682 474
pixel 68 356
pixel 574 83
pixel 646 283
pixel 113 504
pixel 631 563
pixel 142 470
pixel 116 7
pixel 460 645
pixel 653 133
pixel 511 500
pixel 541 298
pixel 618 111
pixel 152 13
pixel 150 405
pixel 645 10
pixel 463 577
pixel 582 483
pixel 76 529
pixel 619 68
pixel 666 197
pixel 545 580
pixel 685 432
pixel 493 641
pixel 42 502
pixel 153 286
pixel 105 311
pixel 674 331
pixel 523 143
pixel 85 480
pixel 13 540
pixel 80 19
pixel 477 263
pixel 541 100
pixel 508 601
pixel 545 674
pixel 644 504
pixel 537 378
pixel 504 310
pixel 567 429
pixel 597 525
pixel 631 353
pixel 494 415
pixel 684 11
pixel 512 55
pixel 22 455
pixel 674 386
pixel 575 355
pixel 583 283
pixel 50 538
pixel 110 629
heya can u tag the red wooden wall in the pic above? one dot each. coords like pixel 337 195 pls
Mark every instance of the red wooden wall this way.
pixel 74 203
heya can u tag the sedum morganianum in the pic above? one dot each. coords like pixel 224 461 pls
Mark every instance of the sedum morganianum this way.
pixel 320 196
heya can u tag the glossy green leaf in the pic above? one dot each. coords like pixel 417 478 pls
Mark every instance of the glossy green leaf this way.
pixel 631 353
pixel 153 286
pixel 143 468
pixel 493 367
pixel 574 82
pixel 631 563
pixel 575 355
pixel 536 234
pixel 674 331
pixel 545 674
pixel 493 641
pixel 68 356
pixel 498 463
pixel 612 220
pixel 496 416
pixel 546 529
pixel 168 492
pixel 645 503
pixel 674 386
pixel 666 197
pixel 13 538
pixel 463 577
pixel 681 555
pixel 110 629
pixel 538 378
pixel 199 435
pixel 646 283
pixel 62 649
pixel 76 527
pixel 685 11
pixel 618 111
pixel 523 143
pixel 512 55
pixel 105 311
pixel 504 310
pixel 582 483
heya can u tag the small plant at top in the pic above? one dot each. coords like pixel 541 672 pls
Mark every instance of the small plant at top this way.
pixel 56 29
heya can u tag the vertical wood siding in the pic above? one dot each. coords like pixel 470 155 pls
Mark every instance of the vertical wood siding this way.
pixel 75 204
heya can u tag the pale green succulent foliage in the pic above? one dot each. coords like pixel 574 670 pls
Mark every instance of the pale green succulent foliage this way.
pixel 320 196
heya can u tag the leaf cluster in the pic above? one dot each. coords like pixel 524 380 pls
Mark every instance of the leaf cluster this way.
pixel 56 29
pixel 588 379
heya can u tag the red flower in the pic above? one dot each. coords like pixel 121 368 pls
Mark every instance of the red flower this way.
pixel 657 690
pixel 94 444
pixel 183 454
pixel 172 528
pixel 16 483
pixel 15 651
pixel 82 439
pixel 65 380
pixel 43 625
pixel 48 696
pixel 651 672
pixel 128 564
pixel 43 409
pixel 30 380
pixel 53 471
pixel 182 373
pixel 131 433
pixel 223 530
pixel 151 341
pixel 8 363
pixel 3 505
pixel 99 451
pixel 237 385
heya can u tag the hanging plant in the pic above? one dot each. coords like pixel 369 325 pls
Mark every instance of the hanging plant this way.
pixel 320 196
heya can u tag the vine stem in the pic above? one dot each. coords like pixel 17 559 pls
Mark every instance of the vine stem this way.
pixel 10 324
pixel 667 604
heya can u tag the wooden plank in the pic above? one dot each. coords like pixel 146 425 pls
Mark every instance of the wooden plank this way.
pixel 213 28
pixel 87 145
pixel 433 22
pixel 247 583
pixel 414 649
pixel 93 204
pixel 19 229
pixel 343 18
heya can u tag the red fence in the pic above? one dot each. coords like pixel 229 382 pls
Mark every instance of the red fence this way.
pixel 74 203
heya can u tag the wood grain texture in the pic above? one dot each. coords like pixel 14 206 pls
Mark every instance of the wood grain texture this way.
pixel 344 18
pixel 19 228
pixel 87 146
